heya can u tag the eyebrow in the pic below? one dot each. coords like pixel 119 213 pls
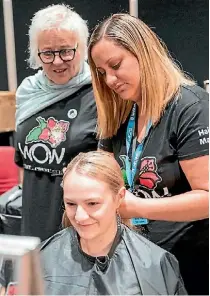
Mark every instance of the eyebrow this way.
pixel 86 200
pixel 107 62
pixel 68 46
pixel 49 48
pixel 113 58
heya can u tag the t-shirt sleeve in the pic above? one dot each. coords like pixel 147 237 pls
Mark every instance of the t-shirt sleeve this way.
pixel 106 145
pixel 192 132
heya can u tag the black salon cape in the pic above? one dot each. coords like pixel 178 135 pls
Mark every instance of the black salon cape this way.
pixel 134 266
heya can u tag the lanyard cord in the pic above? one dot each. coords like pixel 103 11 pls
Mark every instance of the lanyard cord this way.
pixel 131 149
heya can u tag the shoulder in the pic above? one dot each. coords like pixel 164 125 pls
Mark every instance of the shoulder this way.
pixel 149 253
pixel 194 92
pixel 190 96
pixel 189 107
pixel 27 87
pixel 87 90
pixel 153 263
pixel 24 84
pixel 87 96
pixel 57 241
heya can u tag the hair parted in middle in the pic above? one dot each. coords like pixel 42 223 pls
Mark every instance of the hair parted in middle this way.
pixel 99 165
pixel 160 77
pixel 61 17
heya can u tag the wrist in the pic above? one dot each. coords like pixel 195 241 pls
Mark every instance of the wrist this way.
pixel 137 208
pixel 131 206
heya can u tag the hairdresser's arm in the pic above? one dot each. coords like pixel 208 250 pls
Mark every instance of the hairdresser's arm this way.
pixel 189 206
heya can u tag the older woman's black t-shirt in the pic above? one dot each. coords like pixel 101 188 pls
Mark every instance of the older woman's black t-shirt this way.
pixel 45 144
pixel 181 134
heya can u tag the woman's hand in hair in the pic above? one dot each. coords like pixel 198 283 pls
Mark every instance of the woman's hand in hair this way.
pixel 128 206
pixel 188 206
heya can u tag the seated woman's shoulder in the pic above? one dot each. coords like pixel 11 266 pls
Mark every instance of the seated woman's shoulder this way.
pixel 146 250
pixel 57 240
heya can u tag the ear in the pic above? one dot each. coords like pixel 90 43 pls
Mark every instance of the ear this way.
pixel 120 196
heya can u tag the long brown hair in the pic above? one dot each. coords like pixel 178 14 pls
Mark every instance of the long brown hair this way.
pixel 99 165
pixel 160 78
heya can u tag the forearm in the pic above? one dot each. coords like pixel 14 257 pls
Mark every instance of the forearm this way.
pixel 21 175
pixel 190 206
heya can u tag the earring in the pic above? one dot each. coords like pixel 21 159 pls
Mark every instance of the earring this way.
pixel 118 218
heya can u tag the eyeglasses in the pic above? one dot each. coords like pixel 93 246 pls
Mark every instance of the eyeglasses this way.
pixel 66 55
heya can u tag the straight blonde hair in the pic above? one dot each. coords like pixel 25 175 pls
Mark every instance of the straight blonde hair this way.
pixel 160 78
pixel 101 166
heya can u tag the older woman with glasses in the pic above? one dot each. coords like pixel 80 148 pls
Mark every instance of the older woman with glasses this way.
pixel 56 114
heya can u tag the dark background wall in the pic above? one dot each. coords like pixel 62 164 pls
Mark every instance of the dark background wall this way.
pixel 184 27
pixel 182 24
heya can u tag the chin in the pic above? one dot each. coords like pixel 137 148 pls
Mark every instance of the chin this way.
pixel 87 235
pixel 127 98
pixel 60 81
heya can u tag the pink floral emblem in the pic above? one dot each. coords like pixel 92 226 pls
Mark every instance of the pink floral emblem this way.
pixel 50 131
pixel 148 176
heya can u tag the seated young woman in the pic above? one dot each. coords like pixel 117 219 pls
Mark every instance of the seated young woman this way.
pixel 98 254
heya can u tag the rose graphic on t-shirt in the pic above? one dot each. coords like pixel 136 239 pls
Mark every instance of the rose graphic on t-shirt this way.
pixel 49 131
pixel 148 176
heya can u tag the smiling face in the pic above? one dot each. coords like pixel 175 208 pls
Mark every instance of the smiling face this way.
pixel 118 67
pixel 90 206
pixel 60 72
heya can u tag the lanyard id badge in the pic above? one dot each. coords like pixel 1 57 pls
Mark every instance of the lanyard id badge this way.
pixel 131 163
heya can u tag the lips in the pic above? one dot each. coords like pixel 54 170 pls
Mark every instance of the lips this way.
pixel 119 87
pixel 85 225
pixel 58 71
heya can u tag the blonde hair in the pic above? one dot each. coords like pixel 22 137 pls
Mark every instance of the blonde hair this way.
pixel 160 78
pixel 99 165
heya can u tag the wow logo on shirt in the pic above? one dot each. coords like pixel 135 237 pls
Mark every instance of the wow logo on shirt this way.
pixel 49 131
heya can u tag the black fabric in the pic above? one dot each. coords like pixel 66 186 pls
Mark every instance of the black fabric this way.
pixel 182 133
pixel 136 267
pixel 11 211
pixel 11 201
pixel 45 144
pixel 6 272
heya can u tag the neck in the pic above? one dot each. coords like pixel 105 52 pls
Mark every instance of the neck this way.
pixel 101 245
pixel 138 103
pixel 140 124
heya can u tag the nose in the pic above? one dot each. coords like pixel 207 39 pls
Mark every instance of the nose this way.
pixel 111 80
pixel 81 215
pixel 57 60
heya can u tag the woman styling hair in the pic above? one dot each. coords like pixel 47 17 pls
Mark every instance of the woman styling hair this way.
pixel 154 120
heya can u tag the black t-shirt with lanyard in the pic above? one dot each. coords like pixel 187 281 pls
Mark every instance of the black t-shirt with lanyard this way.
pixel 45 144
pixel 181 134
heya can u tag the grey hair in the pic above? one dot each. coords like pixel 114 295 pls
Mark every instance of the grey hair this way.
pixel 59 16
